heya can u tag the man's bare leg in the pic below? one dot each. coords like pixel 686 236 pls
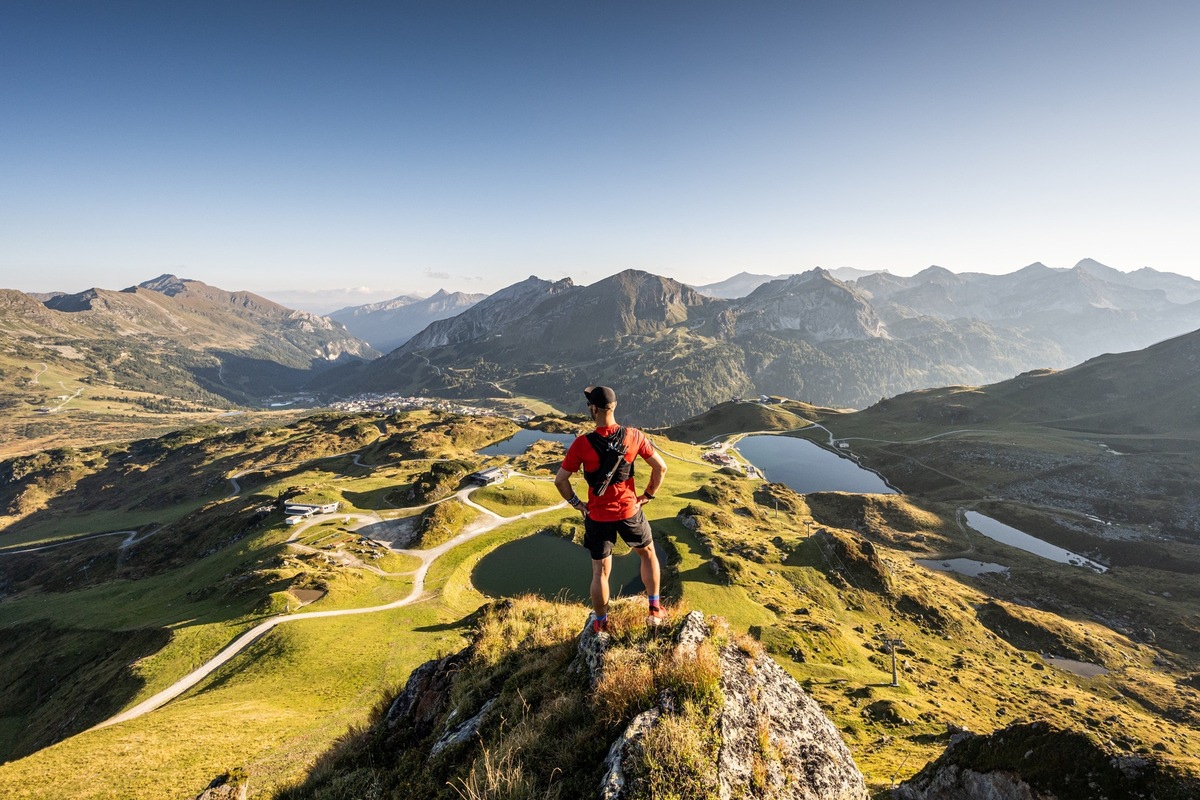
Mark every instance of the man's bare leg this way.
pixel 600 570
pixel 650 573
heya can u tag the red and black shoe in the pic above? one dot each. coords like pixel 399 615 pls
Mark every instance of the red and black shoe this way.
pixel 657 616
pixel 599 625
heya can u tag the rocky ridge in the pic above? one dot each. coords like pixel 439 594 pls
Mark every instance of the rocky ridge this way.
pixel 773 739
pixel 803 756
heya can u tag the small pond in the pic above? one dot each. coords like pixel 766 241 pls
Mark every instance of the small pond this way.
pixel 1084 669
pixel 963 566
pixel 519 442
pixel 550 566
pixel 805 466
pixel 994 529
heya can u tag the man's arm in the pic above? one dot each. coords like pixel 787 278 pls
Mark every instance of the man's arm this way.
pixel 562 482
pixel 658 468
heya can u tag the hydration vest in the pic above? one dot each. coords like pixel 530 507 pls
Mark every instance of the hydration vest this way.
pixel 614 468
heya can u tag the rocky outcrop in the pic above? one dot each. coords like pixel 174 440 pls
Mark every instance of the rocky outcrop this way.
pixel 774 740
pixel 230 786
pixel 425 698
pixel 1035 761
pixel 761 736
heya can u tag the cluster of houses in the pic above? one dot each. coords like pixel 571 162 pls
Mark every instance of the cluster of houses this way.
pixel 389 403
pixel 720 458
pixel 297 512
pixel 714 454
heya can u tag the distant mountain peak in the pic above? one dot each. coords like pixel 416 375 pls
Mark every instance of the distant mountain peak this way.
pixel 814 303
pixel 1036 266
pixel 166 283
pixel 935 274
pixel 739 285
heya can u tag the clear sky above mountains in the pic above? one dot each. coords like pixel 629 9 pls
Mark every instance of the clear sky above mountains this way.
pixel 403 147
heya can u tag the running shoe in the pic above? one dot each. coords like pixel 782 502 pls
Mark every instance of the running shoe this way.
pixel 657 616
pixel 599 625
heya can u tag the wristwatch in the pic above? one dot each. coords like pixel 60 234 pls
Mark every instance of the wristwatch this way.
pixel 647 495
pixel 575 501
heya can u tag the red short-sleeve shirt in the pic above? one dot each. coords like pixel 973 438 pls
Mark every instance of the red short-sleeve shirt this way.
pixel 620 501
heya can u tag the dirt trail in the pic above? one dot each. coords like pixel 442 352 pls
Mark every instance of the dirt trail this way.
pixel 487 521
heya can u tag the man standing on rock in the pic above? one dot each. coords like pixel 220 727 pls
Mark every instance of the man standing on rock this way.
pixel 613 507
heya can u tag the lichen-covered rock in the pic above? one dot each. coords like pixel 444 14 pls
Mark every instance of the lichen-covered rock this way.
pixel 425 696
pixel 590 658
pixel 463 731
pixel 769 726
pixel 626 747
pixel 774 740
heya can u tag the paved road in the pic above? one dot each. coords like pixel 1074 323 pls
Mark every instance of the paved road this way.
pixel 128 534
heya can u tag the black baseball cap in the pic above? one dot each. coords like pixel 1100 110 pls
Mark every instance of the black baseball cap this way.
pixel 600 396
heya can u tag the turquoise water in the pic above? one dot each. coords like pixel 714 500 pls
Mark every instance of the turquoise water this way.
pixel 519 442
pixel 551 567
pixel 805 466
pixel 994 529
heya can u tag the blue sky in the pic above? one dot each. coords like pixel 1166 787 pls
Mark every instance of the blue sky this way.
pixel 355 151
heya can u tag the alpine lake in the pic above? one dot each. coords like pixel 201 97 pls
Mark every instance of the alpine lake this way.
pixel 553 567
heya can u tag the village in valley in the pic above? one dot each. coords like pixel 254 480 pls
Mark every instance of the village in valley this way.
pixel 386 403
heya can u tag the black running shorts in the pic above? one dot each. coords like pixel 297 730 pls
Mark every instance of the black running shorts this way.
pixel 599 537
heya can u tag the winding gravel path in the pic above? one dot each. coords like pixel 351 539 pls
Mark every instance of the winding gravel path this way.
pixel 488 521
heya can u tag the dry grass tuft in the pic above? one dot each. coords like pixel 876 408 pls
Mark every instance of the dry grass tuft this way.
pixel 627 688
pixel 679 758
pixel 749 645
pixel 523 624
pixel 497 777
pixel 691 674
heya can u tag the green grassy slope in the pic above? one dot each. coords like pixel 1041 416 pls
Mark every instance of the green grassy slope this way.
pixel 816 580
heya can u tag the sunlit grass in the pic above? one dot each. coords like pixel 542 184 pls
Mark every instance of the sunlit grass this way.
pixel 53 530
pixel 516 496
pixel 272 710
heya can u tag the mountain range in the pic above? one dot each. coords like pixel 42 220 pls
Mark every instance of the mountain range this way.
pixel 173 337
pixel 674 350
pixel 1086 310
pixel 670 349
pixel 744 283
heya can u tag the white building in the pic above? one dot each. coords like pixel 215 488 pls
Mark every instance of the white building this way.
pixel 488 476
pixel 307 510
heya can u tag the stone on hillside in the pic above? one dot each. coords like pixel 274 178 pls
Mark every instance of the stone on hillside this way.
pixel 230 786
pixel 763 708
pixel 425 696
